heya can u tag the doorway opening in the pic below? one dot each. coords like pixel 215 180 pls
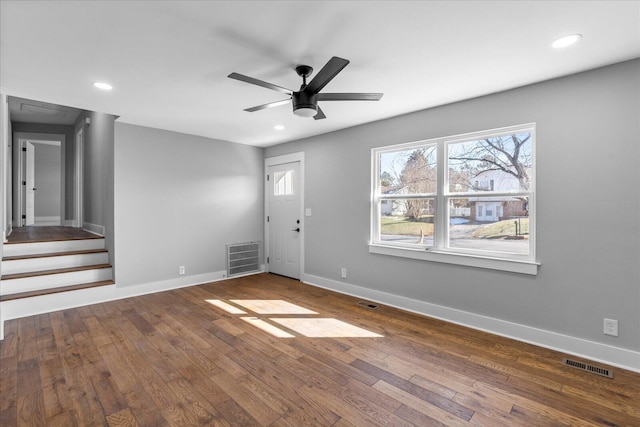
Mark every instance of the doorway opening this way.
pixel 39 183
pixel 284 222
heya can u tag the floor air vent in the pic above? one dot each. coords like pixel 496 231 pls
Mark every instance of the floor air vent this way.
pixel 368 305
pixel 243 258
pixel 587 367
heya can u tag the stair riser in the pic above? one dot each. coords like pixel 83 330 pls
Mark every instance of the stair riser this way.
pixel 53 262
pixel 50 281
pixel 37 248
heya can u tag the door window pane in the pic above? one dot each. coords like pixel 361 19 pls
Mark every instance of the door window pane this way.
pixel 283 183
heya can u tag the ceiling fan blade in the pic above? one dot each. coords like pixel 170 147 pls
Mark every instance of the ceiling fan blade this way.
pixel 349 96
pixel 324 76
pixel 257 82
pixel 269 105
pixel 319 115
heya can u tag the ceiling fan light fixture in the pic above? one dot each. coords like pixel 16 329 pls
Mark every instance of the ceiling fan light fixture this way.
pixel 306 111
pixel 305 104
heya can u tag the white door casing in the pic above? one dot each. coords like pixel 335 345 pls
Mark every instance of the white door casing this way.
pixel 78 220
pixel 30 187
pixel 284 226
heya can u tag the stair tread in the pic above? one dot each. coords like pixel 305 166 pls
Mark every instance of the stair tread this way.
pixel 54 254
pixel 56 271
pixel 20 238
pixel 20 242
pixel 20 295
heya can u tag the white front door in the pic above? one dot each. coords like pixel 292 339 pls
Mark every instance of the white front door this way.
pixel 30 179
pixel 284 222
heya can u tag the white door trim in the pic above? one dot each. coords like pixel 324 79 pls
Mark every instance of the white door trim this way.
pixel 5 178
pixel 29 158
pixel 280 160
pixel 78 220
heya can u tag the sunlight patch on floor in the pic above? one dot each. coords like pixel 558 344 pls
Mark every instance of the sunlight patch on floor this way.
pixel 324 328
pixel 267 327
pixel 296 319
pixel 226 306
pixel 263 306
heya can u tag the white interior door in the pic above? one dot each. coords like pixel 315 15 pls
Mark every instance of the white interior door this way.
pixel 284 222
pixel 30 187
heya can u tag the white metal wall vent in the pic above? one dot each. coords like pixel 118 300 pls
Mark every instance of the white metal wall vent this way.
pixel 243 258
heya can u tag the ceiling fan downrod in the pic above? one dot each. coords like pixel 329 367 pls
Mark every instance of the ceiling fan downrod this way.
pixel 304 71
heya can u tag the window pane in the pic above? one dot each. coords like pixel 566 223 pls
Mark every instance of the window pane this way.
pixel 283 183
pixel 498 224
pixel 497 163
pixel 410 171
pixel 408 221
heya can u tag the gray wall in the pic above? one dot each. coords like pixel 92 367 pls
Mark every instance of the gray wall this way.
pixel 588 207
pixel 47 180
pixel 179 200
pixel 98 181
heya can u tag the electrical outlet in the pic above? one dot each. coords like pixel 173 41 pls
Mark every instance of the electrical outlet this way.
pixel 181 270
pixel 611 327
pixel 343 273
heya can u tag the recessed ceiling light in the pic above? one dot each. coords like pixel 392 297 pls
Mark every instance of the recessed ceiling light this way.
pixel 566 41
pixel 102 85
pixel 278 127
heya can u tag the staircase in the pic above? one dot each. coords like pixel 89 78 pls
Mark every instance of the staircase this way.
pixel 31 269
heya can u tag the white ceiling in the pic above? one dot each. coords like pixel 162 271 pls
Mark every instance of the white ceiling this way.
pixel 168 60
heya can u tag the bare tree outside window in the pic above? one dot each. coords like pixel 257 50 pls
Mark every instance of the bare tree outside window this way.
pixel 508 155
pixel 407 179
pixel 482 206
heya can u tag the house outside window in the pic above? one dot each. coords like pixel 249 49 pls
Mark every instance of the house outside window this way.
pixel 457 197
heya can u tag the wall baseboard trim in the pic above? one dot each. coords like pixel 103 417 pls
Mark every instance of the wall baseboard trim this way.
pixel 598 352
pixel 93 228
pixel 15 309
pixel 47 220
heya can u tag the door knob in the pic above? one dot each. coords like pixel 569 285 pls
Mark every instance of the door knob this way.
pixel 296 229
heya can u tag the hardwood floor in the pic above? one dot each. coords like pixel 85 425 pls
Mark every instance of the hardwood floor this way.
pixel 48 233
pixel 201 356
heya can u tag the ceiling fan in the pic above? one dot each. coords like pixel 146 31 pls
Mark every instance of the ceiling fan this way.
pixel 305 100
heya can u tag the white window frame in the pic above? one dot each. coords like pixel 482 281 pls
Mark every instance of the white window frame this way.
pixel 441 251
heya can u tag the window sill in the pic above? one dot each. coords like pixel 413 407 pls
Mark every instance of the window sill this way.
pixel 514 266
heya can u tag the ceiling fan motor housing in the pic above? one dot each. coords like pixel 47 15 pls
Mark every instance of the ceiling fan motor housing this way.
pixel 304 100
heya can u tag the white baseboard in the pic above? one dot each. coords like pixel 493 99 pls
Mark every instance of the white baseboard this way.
pixel 6 233
pixel 15 309
pixel 93 228
pixel 69 223
pixel 46 220
pixel 614 356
